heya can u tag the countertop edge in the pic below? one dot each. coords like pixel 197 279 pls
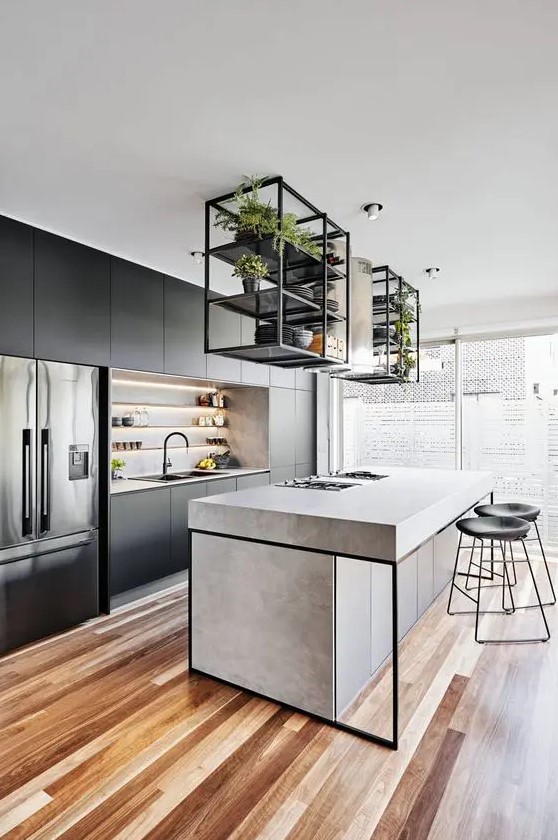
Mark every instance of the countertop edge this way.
pixel 121 489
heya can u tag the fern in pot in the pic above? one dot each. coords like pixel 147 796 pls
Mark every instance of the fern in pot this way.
pixel 253 218
pixel 251 269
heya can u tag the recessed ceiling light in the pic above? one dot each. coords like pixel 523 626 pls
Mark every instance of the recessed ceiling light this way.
pixel 197 256
pixel 373 210
pixel 431 272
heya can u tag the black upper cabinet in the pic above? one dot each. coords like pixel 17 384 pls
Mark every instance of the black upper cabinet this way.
pixel 16 288
pixel 72 301
pixel 136 317
pixel 184 326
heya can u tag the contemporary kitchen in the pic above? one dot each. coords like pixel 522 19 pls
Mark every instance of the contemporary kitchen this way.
pixel 278 453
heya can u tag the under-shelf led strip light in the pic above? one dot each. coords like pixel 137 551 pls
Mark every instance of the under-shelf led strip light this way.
pixel 165 385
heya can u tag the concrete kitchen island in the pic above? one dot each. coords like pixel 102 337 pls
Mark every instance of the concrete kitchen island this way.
pixel 303 595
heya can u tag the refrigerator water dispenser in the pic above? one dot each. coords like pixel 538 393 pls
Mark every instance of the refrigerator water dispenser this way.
pixel 78 461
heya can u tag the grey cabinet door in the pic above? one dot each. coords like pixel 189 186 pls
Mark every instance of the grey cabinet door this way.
pixel 425 576
pixel 445 546
pixel 72 301
pixel 136 317
pixel 184 329
pixel 245 482
pixel 279 474
pixel 406 594
pixel 224 331
pixel 180 496
pixel 305 381
pixel 381 629
pixel 223 485
pixel 251 373
pixel 282 427
pixel 139 539
pixel 282 377
pixel 305 414
pixel 16 288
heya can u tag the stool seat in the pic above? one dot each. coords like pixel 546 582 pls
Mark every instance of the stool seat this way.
pixel 494 527
pixel 524 511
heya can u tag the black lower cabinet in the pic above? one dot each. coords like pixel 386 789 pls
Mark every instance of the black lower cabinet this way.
pixel 246 482
pixel 180 496
pixel 140 545
pixel 221 485
pixel 47 592
pixel 149 534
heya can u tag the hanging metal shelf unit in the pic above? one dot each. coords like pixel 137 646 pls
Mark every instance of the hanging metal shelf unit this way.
pixel 301 290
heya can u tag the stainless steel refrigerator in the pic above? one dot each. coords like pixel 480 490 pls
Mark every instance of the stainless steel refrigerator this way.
pixel 49 479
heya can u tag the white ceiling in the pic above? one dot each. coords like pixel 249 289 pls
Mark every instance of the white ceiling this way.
pixel 118 119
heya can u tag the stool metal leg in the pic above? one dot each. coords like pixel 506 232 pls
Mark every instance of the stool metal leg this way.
pixel 449 612
pixel 553 600
pixel 508 610
pixel 477 611
pixel 537 594
pixel 539 604
pixel 471 563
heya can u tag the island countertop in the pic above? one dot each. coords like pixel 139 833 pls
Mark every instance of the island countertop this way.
pixel 386 519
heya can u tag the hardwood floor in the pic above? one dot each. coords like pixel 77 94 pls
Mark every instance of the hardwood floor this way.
pixel 105 735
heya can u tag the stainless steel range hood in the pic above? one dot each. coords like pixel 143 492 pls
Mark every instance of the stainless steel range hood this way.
pixel 384 326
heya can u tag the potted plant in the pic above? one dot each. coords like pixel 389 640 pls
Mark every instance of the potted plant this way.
pixel 255 219
pixel 251 268
pixel 116 467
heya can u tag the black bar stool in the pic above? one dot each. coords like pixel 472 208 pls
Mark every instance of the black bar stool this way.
pixel 504 530
pixel 530 513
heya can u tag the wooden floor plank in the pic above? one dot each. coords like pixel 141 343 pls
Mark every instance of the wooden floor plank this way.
pixel 107 735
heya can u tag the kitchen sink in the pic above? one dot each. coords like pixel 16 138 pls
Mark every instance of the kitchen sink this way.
pixel 177 476
pixel 160 477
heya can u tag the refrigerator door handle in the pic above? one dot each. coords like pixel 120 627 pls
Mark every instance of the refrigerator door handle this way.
pixel 26 484
pixel 39 554
pixel 45 481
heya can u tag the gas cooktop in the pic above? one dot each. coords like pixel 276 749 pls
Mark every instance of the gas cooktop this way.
pixel 314 482
pixel 361 475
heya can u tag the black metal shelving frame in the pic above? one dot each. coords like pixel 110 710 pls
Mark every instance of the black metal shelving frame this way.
pixel 277 303
pixel 391 295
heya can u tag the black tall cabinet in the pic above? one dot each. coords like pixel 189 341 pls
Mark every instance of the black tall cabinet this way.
pixel 137 317
pixel 16 288
pixel 72 302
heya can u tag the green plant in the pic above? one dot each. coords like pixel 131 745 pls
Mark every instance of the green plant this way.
pixel 407 356
pixel 258 219
pixel 253 216
pixel 300 237
pixel 117 464
pixel 250 265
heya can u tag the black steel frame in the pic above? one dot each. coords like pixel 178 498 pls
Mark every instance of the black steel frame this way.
pixel 392 743
pixel 288 356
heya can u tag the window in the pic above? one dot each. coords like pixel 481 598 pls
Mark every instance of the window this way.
pixel 508 422
pixel 412 425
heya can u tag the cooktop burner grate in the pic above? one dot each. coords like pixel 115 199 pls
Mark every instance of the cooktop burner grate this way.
pixel 362 475
pixel 317 484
